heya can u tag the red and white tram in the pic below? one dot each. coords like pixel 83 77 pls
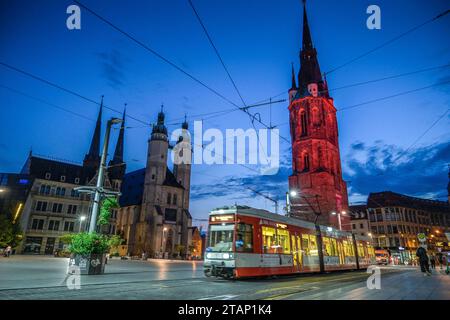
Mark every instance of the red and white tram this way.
pixel 248 242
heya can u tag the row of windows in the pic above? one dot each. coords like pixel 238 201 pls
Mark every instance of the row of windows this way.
pixel 407 215
pixel 46 189
pixel 397 229
pixel 48 176
pixel 43 206
pixel 277 241
pixel 53 225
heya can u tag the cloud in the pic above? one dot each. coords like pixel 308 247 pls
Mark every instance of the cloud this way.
pixel 237 187
pixel 112 65
pixel 421 172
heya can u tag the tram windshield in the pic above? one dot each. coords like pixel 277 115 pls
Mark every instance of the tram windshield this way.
pixel 220 238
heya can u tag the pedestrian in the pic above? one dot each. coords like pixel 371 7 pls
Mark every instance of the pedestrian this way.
pixel 423 260
pixel 433 262
pixel 8 251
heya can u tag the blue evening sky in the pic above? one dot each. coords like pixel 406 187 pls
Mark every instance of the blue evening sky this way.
pixel 258 40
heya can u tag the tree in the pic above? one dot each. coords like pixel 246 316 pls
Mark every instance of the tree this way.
pixel 10 233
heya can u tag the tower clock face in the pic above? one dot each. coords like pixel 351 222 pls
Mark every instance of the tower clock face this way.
pixel 313 89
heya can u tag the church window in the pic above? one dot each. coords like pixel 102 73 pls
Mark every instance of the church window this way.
pixel 303 123
pixel 315 116
pixel 174 198
pixel 169 198
pixel 305 162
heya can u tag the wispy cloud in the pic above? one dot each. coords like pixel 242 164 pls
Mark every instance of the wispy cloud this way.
pixel 112 66
pixel 420 172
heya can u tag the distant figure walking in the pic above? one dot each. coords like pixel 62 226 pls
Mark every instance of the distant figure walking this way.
pixel 8 251
pixel 421 253
pixel 433 262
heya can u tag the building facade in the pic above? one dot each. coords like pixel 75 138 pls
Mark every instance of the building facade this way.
pixel 394 221
pixel 316 164
pixel 154 216
pixel 359 221
pixel 52 207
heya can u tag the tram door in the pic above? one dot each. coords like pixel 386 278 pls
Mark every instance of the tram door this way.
pixel 295 254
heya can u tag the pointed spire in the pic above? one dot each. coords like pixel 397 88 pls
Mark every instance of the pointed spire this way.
pixel 294 85
pixel 307 41
pixel 93 155
pixel 117 165
pixel 185 125
pixel 118 152
pixel 309 65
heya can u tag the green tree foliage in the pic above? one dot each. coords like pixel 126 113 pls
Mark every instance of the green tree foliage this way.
pixel 10 233
pixel 86 243
pixel 105 210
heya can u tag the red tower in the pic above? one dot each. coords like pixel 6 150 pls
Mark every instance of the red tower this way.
pixel 317 175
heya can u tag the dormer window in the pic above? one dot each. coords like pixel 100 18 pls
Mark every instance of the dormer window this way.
pixel 63 178
pixel 48 175
pixel 77 180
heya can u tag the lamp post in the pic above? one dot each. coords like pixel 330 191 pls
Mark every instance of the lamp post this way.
pixel 339 218
pixel 289 194
pixel 162 240
pixel 82 218
pixel 101 175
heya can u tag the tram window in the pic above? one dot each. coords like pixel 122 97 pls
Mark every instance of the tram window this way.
pixel 313 245
pixel 326 246
pixel 361 250
pixel 329 246
pixel 244 238
pixel 334 251
pixel 348 248
pixel 283 241
pixel 221 238
pixel 269 240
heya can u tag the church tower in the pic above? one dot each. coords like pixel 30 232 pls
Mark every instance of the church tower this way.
pixel 182 171
pixel 91 160
pixel 316 165
pixel 116 166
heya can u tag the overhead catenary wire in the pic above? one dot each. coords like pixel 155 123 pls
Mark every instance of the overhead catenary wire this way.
pixel 388 42
pixel 74 93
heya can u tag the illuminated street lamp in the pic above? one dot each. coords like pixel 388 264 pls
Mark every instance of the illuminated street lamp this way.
pixel 82 218
pixel 339 218
pixel 162 238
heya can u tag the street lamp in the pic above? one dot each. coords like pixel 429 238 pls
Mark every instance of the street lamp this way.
pixel 162 239
pixel 339 218
pixel 289 194
pixel 82 218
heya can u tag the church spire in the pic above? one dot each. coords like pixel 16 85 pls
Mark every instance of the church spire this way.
pixel 293 85
pixel 93 157
pixel 116 165
pixel 118 152
pixel 309 65
pixel 307 41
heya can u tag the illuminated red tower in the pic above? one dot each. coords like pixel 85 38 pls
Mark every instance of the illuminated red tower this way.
pixel 316 164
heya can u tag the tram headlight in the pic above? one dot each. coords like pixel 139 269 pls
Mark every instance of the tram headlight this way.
pixel 208 256
pixel 226 256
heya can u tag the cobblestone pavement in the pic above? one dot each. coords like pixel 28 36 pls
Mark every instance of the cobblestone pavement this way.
pixel 40 277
